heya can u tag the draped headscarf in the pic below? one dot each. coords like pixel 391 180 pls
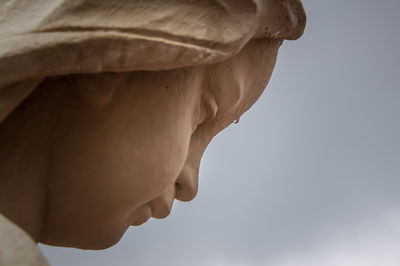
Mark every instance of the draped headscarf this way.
pixel 44 38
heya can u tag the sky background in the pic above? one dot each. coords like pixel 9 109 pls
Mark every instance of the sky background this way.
pixel 311 174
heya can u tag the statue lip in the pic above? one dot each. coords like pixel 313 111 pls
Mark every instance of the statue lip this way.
pixel 158 208
pixel 141 215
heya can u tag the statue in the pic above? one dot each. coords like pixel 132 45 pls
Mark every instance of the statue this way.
pixel 106 107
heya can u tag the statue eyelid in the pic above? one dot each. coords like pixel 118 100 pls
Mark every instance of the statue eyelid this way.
pixel 210 106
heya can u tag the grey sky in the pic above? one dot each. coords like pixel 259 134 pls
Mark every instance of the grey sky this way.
pixel 310 175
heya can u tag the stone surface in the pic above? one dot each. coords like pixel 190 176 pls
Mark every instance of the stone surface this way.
pixel 106 107
pixel 118 36
pixel 16 247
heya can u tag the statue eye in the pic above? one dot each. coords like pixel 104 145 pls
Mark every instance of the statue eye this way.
pixel 210 106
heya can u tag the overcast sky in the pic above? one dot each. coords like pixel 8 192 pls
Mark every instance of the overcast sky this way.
pixel 311 174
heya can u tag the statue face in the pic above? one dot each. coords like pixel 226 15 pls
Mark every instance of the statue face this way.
pixel 123 146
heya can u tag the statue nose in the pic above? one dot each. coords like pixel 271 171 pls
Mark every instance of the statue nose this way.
pixel 186 185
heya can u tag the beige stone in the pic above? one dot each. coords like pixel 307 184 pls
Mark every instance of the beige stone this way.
pixel 107 106
pixel 16 247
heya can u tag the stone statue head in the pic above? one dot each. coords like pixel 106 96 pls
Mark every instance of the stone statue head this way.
pixel 106 107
